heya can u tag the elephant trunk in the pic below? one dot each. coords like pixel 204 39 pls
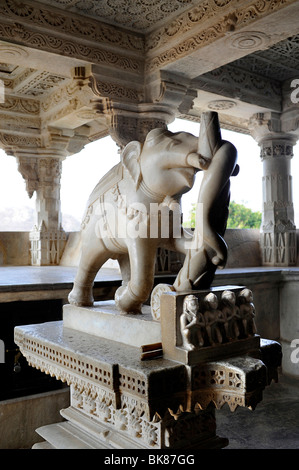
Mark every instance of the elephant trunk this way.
pixel 222 156
pixel 201 261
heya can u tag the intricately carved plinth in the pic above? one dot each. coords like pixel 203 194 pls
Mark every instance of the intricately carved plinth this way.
pixel 189 431
pixel 121 401
pixel 46 246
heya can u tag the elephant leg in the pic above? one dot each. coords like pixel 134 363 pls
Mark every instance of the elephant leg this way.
pixel 130 296
pixel 124 264
pixel 92 259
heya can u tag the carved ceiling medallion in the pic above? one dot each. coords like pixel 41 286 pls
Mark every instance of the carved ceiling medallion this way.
pixel 11 52
pixel 220 105
pixel 250 40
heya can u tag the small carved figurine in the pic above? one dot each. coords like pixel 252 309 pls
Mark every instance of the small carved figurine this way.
pixel 231 313
pixel 213 317
pixel 192 322
pixel 247 312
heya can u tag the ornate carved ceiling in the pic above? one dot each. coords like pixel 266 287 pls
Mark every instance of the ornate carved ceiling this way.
pixel 279 62
pixel 137 15
pixel 256 80
pixel 75 70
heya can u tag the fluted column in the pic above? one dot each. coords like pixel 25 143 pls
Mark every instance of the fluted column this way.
pixel 278 230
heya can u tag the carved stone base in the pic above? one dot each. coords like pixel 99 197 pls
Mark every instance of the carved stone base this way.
pixel 279 247
pixel 46 247
pixel 79 431
pixel 120 401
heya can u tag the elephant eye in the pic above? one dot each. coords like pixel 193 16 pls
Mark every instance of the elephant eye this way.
pixel 173 143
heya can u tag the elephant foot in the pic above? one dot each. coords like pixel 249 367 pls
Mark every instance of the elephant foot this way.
pixel 126 302
pixel 81 296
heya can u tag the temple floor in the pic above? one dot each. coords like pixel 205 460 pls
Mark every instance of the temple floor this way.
pixel 274 424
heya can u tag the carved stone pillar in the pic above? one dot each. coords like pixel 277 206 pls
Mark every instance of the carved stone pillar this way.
pixel 278 230
pixel 42 174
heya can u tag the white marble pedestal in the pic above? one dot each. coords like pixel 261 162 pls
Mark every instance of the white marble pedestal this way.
pixel 119 400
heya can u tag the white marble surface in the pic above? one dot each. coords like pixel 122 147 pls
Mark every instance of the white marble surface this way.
pixel 105 321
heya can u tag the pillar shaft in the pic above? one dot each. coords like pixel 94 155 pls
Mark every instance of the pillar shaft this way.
pixel 278 230
pixel 278 237
pixel 48 193
pixel 47 238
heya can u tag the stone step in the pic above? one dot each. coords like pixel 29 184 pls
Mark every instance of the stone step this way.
pixel 66 436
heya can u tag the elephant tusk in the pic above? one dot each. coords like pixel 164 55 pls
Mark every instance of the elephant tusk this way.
pixel 196 160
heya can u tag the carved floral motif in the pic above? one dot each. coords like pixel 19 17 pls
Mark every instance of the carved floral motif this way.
pixel 183 26
pixel 71 24
pixel 69 47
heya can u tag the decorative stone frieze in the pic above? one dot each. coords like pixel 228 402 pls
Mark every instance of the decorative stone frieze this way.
pixel 207 325
pixel 20 105
pixel 204 24
pixel 66 25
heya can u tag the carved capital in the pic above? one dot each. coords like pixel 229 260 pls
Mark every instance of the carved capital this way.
pixel 42 174
pixel 171 90
pixel 270 132
pixel 132 109
pixel 39 171
pixel 264 126
pixel 28 167
pixel 276 148
pixel 124 129
pixel 127 122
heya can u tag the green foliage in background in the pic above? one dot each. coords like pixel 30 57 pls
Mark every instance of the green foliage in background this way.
pixel 240 216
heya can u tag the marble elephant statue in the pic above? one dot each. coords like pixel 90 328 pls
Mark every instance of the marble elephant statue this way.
pixel 151 175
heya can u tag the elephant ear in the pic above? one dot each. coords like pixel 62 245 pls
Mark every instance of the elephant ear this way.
pixel 131 160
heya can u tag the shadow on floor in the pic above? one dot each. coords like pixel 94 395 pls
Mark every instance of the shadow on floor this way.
pixel 274 424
